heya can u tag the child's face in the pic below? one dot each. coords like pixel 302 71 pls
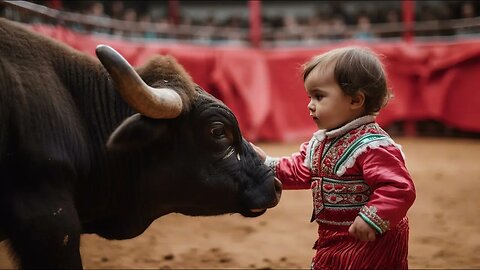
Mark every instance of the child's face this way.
pixel 329 107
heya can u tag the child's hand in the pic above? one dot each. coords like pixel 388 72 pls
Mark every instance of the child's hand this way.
pixel 361 230
pixel 261 154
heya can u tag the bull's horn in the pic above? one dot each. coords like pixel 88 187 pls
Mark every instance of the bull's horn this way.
pixel 152 102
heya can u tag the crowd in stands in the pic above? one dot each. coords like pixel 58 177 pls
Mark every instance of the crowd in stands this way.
pixel 333 20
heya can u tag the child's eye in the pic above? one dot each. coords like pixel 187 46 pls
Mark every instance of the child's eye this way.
pixel 316 96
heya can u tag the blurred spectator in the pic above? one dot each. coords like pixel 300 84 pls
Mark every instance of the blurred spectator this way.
pixel 468 12
pixel 337 28
pixel 425 13
pixel 117 10
pixel 364 28
pixel 147 25
pixel 444 15
pixel 96 10
pixel 317 27
pixel 184 28
pixel 392 18
pixel 208 33
pixel 232 30
pixel 129 17
pixel 291 27
pixel 163 28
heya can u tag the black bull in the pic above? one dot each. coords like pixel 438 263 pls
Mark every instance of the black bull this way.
pixel 90 146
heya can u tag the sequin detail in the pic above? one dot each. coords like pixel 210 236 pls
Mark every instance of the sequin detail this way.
pixel 369 214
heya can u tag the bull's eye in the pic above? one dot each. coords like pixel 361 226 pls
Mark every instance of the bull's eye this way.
pixel 217 130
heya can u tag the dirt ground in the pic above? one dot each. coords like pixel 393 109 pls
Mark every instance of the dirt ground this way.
pixel 444 223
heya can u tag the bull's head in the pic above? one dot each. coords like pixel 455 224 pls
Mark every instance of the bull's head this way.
pixel 188 144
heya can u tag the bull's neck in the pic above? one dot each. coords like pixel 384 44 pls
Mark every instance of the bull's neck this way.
pixel 101 110
pixel 100 106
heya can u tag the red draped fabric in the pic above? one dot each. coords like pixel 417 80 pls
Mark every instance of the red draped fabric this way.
pixel 265 90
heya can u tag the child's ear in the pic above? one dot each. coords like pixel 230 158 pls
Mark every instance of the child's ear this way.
pixel 358 100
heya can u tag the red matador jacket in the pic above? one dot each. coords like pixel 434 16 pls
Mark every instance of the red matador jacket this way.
pixel 355 170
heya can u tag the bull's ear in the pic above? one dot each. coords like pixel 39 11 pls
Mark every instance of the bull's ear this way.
pixel 136 132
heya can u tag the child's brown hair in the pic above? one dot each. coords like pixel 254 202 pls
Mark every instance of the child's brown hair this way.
pixel 355 69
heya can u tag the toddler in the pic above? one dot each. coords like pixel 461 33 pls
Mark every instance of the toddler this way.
pixel 361 187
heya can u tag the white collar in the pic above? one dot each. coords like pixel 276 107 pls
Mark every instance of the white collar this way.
pixel 322 133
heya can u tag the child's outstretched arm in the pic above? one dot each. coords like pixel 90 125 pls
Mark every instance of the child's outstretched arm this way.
pixel 290 170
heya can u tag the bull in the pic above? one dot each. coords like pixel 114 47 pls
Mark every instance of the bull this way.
pixel 96 146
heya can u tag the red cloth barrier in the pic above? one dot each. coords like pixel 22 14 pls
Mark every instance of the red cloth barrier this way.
pixel 264 88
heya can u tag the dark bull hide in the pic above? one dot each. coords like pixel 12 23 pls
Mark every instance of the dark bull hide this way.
pixel 90 146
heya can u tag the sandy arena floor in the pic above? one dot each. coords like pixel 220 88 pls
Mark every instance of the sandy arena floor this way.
pixel 444 223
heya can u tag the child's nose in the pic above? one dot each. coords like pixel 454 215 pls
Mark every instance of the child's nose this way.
pixel 311 107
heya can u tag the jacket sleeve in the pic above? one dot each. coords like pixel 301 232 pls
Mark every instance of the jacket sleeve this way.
pixel 292 171
pixel 393 191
